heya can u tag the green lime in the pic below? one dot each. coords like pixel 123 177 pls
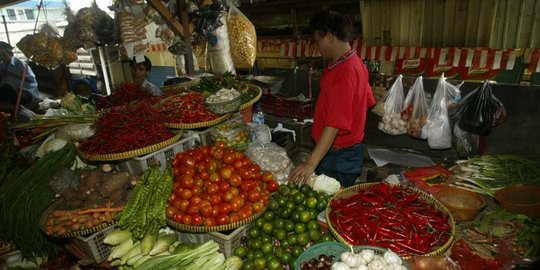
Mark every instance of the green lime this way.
pixel 254 232
pixel 284 190
pixel 248 265
pixel 305 188
pixel 279 223
pixel 278 251
pixel 258 254
pixel 259 222
pixel 289 225
pixel 302 239
pixel 290 205
pixel 292 239
pixel 266 238
pixel 296 250
pixel 273 264
pixel 280 234
pixel 299 198
pixel 285 213
pixel 286 258
pixel 327 238
pixel 260 263
pixel 256 244
pixel 300 208
pixel 267 248
pixel 299 228
pixel 313 225
pixel 281 201
pixel 314 235
pixel 268 228
pixel 305 216
pixel 321 205
pixel 273 205
pixel 311 202
pixel 240 251
pixel 296 216
pixel 250 256
pixel 314 213
pixel 269 216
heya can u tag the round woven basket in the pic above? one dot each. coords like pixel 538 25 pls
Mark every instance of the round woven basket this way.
pixel 228 106
pixel 180 87
pixel 55 205
pixel 198 125
pixel 347 192
pixel 132 153
pixel 253 100
pixel 219 228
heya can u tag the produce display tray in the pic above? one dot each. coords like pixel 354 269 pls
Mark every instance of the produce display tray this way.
pixel 343 193
pixel 93 246
pixel 131 153
pixel 55 205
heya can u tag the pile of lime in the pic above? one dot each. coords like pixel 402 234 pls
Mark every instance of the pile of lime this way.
pixel 285 230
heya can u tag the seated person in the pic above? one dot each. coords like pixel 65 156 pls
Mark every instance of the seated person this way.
pixel 11 72
pixel 139 72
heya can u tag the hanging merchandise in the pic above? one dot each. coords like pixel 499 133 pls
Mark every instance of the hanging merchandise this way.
pixel 480 111
pixel 46 49
pixel 132 32
pixel 208 20
pixel 219 49
pixel 415 109
pixel 439 134
pixel 242 37
pixel 466 143
pixel 391 122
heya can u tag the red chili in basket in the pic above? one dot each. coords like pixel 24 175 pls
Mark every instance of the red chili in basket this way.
pixel 123 93
pixel 125 128
pixel 187 108
pixel 391 217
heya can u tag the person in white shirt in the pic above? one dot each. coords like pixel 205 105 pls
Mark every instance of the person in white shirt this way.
pixel 140 71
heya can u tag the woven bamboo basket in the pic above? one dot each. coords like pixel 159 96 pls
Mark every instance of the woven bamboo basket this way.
pixel 347 192
pixel 219 228
pixel 180 87
pixel 225 107
pixel 132 153
pixel 198 125
pixel 253 100
pixel 55 205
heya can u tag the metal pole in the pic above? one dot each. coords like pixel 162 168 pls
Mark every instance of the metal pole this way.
pixel 104 69
pixel 5 26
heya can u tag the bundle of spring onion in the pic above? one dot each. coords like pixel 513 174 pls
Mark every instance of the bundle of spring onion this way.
pixel 487 174
pixel 42 126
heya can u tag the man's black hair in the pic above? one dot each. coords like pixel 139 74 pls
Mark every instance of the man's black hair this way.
pixel 329 21
pixel 147 63
pixel 5 46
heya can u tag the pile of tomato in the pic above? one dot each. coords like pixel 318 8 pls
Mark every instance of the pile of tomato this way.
pixel 217 185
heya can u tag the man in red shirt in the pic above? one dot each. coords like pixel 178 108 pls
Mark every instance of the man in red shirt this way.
pixel 340 113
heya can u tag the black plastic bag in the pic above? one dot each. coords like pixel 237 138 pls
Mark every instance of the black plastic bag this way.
pixel 477 110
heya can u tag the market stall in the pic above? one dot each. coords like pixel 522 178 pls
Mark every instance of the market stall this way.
pixel 191 179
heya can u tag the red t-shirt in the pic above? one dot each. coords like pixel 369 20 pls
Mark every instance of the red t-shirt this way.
pixel 345 96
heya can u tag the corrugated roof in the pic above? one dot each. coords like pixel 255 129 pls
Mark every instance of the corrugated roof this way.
pixel 30 4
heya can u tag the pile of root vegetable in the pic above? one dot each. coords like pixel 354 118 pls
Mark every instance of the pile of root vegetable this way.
pixel 90 197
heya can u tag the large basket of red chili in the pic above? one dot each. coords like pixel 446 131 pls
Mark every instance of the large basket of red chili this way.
pixel 403 219
pixel 188 111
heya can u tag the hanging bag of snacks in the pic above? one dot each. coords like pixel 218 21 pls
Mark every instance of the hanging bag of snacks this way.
pixel 219 50
pixel 439 134
pixel 415 109
pixel 242 37
pixel 391 122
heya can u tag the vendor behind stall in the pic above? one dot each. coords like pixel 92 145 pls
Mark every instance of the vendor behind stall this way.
pixel 140 71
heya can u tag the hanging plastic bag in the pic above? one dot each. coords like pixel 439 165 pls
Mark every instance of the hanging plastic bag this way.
pixel 476 113
pixel 391 122
pixel 219 50
pixel 242 37
pixel 453 94
pixel 437 128
pixel 466 143
pixel 415 109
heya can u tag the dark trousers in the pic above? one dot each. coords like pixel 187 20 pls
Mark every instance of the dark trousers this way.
pixel 344 164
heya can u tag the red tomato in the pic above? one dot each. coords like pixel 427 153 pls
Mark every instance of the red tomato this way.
pixel 201 166
pixel 186 194
pixel 257 207
pixel 235 180
pixel 229 158
pixel 197 191
pixel 214 177
pixel 216 199
pixel 178 217
pixel 204 175
pixel 192 209
pixel 206 211
pixel 247 185
pixel 255 168
pixel 170 211
pixel 223 219
pixel 205 196
pixel 237 164
pixel 244 173
pixel 221 145
pixel 198 156
pixel 197 220
pixel 267 177
pixel 217 153
pixel 195 200
pixel 186 181
pixel 273 186
pixel 243 215
pixel 176 171
pixel 254 196
pixel 187 220
pixel 227 196
pixel 209 222
pixel 179 156
pixel 235 191
pixel 212 189
pixel 172 196
pixel 234 217
pixel 203 203
pixel 212 165
pixel 215 211
pixel 176 163
pixel 224 186
pixel 237 203
pixel 239 155
pixel 188 161
pixel 190 171
pixel 183 205
pixel 178 191
pixel 224 208
pixel 225 172
pixel 247 210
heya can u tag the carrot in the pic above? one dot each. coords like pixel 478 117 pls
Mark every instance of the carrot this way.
pixel 98 210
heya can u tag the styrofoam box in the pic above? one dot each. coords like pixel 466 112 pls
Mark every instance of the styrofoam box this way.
pixel 138 164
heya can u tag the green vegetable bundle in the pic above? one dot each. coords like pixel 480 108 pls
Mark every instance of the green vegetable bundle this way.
pixel 26 196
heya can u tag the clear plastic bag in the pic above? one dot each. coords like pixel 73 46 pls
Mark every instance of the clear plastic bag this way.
pixel 415 109
pixel 233 133
pixel 391 123
pixel 437 129
pixel 242 37
pixel 271 157
pixel 219 50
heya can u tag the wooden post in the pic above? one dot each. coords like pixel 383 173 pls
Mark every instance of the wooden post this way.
pixel 182 6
